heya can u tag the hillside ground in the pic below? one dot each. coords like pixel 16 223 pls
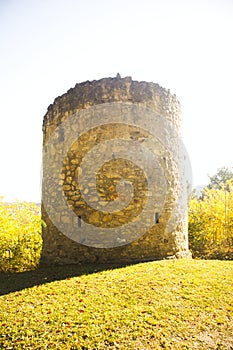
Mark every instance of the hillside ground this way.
pixel 174 304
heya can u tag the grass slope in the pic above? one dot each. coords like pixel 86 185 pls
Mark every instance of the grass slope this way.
pixel 184 304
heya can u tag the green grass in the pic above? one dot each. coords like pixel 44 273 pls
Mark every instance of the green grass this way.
pixel 183 304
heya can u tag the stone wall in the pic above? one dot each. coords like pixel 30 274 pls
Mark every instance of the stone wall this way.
pixel 114 187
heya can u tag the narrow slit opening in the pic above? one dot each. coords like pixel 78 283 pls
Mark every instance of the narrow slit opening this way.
pixel 79 221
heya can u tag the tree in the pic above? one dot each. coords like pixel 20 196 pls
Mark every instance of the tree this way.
pixel 223 175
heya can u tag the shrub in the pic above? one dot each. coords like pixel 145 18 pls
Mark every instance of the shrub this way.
pixel 20 236
pixel 211 223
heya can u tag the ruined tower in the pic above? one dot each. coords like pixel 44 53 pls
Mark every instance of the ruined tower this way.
pixel 114 174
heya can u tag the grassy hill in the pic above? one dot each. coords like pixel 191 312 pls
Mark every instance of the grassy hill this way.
pixel 184 304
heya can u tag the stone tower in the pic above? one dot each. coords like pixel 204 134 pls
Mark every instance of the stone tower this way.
pixel 114 174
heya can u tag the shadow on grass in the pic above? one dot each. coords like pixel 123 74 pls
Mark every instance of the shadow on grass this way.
pixel 12 282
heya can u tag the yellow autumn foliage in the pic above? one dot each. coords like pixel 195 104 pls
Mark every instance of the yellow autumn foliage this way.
pixel 211 223
pixel 20 236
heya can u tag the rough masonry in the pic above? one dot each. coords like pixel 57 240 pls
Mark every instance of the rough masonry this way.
pixel 141 121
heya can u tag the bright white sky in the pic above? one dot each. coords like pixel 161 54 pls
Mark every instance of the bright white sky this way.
pixel 48 46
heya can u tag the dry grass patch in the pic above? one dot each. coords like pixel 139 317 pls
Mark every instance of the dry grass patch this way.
pixel 184 304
